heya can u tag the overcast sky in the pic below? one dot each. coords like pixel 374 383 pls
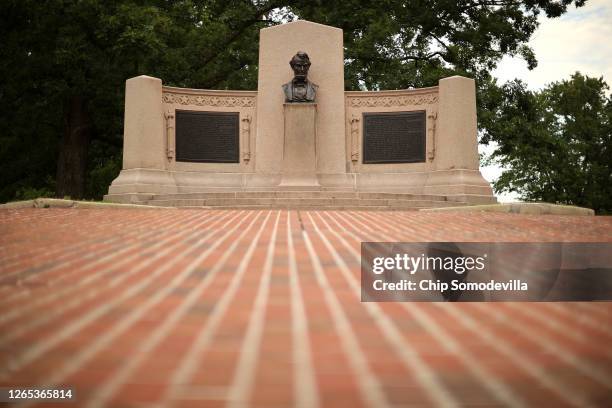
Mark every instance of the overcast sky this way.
pixel 580 40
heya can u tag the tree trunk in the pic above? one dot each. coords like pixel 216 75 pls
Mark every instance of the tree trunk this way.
pixel 72 162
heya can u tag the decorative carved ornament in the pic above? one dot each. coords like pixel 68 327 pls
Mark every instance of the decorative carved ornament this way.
pixel 209 100
pixel 246 136
pixel 390 101
pixel 169 115
pixel 432 116
pixel 355 138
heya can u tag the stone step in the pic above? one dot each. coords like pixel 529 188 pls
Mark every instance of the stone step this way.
pixel 231 197
pixel 307 208
pixel 302 202
pixel 299 194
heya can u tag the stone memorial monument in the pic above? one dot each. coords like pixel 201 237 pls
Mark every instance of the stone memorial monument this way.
pixel 295 143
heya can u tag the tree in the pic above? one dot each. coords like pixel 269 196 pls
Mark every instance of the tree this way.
pixel 60 75
pixel 64 64
pixel 556 145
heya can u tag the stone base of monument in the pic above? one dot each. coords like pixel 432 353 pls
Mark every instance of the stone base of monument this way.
pixel 324 200
pixel 352 190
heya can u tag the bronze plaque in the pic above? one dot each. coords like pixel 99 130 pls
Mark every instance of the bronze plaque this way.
pixel 207 137
pixel 394 137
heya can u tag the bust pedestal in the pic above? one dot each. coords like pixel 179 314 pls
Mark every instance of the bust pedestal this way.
pixel 299 145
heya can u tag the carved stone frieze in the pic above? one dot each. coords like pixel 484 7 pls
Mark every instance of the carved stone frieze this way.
pixel 209 100
pixel 390 101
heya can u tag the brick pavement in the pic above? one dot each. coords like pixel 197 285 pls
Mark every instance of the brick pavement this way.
pixel 236 308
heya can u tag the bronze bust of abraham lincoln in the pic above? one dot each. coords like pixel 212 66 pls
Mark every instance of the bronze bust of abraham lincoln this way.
pixel 300 89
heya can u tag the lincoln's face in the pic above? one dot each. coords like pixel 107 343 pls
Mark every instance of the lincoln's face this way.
pixel 300 64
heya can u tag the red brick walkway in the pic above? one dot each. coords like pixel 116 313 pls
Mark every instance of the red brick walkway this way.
pixel 262 308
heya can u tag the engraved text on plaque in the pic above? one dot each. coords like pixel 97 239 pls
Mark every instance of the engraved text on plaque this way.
pixel 394 137
pixel 207 137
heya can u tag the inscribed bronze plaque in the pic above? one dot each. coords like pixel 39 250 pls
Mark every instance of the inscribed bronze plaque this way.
pixel 394 137
pixel 207 137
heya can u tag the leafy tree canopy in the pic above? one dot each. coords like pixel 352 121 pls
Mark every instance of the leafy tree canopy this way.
pixel 556 145
pixel 63 64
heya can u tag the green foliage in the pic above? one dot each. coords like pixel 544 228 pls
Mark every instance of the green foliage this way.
pixel 393 44
pixel 57 49
pixel 556 145
pixel 30 193
pixel 101 173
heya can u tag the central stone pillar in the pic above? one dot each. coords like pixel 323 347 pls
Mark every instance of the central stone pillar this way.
pixel 299 167
pixel 277 46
